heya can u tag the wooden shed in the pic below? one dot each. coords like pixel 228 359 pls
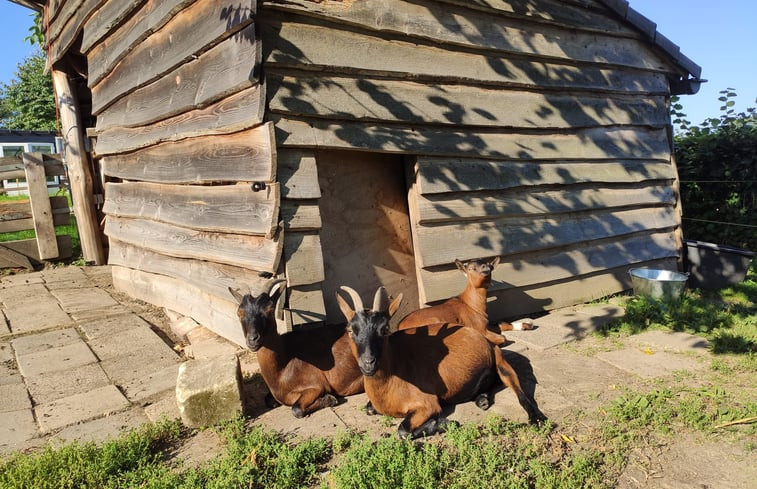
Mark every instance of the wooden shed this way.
pixel 367 142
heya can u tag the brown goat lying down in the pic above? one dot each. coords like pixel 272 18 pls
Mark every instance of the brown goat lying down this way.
pixel 304 369
pixel 458 364
pixel 468 308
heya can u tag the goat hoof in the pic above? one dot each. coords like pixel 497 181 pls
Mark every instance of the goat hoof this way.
pixel 483 402
pixel 329 401
pixel 445 424
pixel 370 410
pixel 298 412
pixel 270 401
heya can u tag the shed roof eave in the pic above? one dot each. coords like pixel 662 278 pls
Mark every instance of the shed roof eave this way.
pixel 37 5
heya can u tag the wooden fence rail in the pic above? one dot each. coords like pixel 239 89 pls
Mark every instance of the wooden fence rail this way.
pixel 40 212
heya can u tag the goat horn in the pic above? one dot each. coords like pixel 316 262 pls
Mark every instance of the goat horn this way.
pixel 273 283
pixel 357 302
pixel 380 300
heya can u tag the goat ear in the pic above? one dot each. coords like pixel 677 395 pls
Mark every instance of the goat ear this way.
pixel 237 294
pixel 494 262
pixel 395 305
pixel 460 265
pixel 346 309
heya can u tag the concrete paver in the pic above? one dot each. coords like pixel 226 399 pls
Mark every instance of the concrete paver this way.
pixel 65 277
pixel 105 428
pixel 163 407
pixel 108 326
pixel 16 427
pixel 563 326
pixel 83 299
pixel 42 313
pixel 52 386
pixel 80 407
pixel 22 293
pixel 649 363
pixel 55 359
pixel 4 328
pixel 20 279
pixel 45 341
pixel 671 340
pixel 161 380
pixel 14 397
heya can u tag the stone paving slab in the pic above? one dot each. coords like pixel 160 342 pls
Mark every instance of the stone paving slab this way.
pixel 45 341
pixel 20 279
pixel 9 373
pixel 14 397
pixel 565 325
pixel 649 363
pixel 111 325
pixel 52 386
pixel 132 367
pixel 19 294
pixel 16 427
pixel 164 406
pixel 65 277
pixel 671 340
pixel 105 428
pixel 104 312
pixel 56 359
pixel 80 407
pixel 142 340
pixel 83 299
pixel 43 313
pixel 4 328
pixel 161 380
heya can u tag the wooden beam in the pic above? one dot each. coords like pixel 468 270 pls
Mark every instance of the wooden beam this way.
pixel 28 248
pixel 298 174
pixel 444 175
pixel 227 68
pixel 109 15
pixel 70 31
pixel 234 209
pixel 241 110
pixel 298 215
pixel 596 143
pixel 365 99
pixel 42 212
pixel 291 44
pixel 218 314
pixel 253 252
pixel 246 156
pixel 303 258
pixel 189 33
pixel 80 177
pixel 13 259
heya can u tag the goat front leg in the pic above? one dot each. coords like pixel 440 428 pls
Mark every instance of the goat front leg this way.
pixel 312 400
pixel 422 419
pixel 510 379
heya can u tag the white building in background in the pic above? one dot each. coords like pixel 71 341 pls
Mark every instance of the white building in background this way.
pixel 15 142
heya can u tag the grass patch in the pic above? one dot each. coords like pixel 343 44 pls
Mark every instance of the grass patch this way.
pixel 727 317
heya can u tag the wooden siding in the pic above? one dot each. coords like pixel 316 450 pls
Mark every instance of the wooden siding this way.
pixel 539 132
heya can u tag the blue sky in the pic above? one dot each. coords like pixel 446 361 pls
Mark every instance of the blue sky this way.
pixel 719 36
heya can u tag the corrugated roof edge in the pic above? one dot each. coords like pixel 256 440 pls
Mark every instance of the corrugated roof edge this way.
pixel 649 28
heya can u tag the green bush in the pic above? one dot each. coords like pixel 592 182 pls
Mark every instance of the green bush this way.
pixel 717 166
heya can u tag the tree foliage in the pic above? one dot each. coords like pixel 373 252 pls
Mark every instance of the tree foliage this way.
pixel 717 166
pixel 28 101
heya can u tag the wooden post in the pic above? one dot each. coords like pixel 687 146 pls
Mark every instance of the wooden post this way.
pixel 39 199
pixel 78 170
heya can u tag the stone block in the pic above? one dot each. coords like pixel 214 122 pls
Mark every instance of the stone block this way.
pixel 16 427
pixel 209 391
pixel 160 380
pixel 64 383
pixel 83 299
pixel 44 341
pixel 105 428
pixel 13 397
pixel 40 313
pixel 94 329
pixel 80 407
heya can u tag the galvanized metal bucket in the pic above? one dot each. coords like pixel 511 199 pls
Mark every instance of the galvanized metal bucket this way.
pixel 658 284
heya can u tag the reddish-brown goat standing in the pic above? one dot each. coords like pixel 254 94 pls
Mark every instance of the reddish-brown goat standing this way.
pixel 303 369
pixel 469 309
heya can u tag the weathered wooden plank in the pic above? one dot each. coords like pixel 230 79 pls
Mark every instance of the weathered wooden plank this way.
pixel 411 102
pixel 539 267
pixel 232 209
pixel 288 44
pixel 12 167
pixel 239 111
pixel 442 244
pixel 596 143
pixel 440 175
pixel 17 215
pixel 306 304
pixel 13 259
pixel 298 174
pixel 13 225
pixel 253 252
pixel 246 156
pixel 150 17
pixel 39 200
pixel 219 314
pixel 189 33
pixel 61 19
pixel 229 67
pixel 212 278
pixel 458 207
pixel 303 258
pixel 105 20
pixel 517 302
pixel 28 248
pixel 70 31
pixel 300 215
pixel 471 29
